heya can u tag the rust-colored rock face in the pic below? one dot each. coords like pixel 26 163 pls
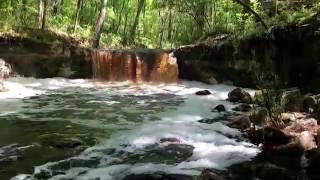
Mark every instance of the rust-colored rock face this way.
pixel 135 66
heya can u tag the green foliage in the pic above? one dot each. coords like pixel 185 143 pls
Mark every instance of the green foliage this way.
pixel 271 97
pixel 162 23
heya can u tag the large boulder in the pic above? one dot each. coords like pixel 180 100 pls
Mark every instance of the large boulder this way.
pixel 203 93
pixel 241 122
pixel 210 174
pixel 219 108
pixel 242 108
pixel 238 95
pixel 268 136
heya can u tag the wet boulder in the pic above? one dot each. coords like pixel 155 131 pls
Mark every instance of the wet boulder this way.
pixel 238 95
pixel 203 93
pixel 65 165
pixel 219 108
pixel 169 153
pixel 241 123
pixel 210 174
pixel 268 136
pixel 170 140
pixel 242 108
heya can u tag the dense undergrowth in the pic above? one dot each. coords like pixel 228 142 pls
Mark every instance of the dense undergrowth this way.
pixel 159 24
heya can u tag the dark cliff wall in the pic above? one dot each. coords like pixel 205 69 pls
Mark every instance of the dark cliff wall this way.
pixel 291 52
pixel 37 59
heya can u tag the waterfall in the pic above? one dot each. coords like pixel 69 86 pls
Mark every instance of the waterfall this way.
pixel 137 66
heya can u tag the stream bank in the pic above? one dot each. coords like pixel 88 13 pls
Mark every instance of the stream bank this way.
pixel 291 52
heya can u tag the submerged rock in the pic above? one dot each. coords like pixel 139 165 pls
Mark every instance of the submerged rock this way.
pixel 158 176
pixel 161 153
pixel 203 93
pixel 240 96
pixel 61 141
pixel 12 152
pixel 74 163
pixel 170 140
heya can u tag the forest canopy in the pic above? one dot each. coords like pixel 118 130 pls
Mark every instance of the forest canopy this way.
pixel 151 23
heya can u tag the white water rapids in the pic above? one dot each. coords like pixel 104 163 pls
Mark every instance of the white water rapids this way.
pixel 215 145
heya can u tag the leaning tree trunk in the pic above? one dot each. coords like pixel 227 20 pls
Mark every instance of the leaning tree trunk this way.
pixel 99 24
pixel 76 19
pixel 56 6
pixel 42 14
pixel 136 21
pixel 249 9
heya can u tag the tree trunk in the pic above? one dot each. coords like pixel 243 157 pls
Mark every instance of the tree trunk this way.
pixel 42 14
pixel 23 12
pixel 56 6
pixel 170 25
pixel 76 19
pixel 99 24
pixel 136 21
pixel 249 9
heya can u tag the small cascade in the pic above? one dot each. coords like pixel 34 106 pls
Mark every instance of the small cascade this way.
pixel 137 66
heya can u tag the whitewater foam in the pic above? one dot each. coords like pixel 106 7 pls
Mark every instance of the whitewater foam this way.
pixel 143 114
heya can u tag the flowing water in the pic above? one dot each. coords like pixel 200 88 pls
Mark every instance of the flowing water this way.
pixel 137 128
